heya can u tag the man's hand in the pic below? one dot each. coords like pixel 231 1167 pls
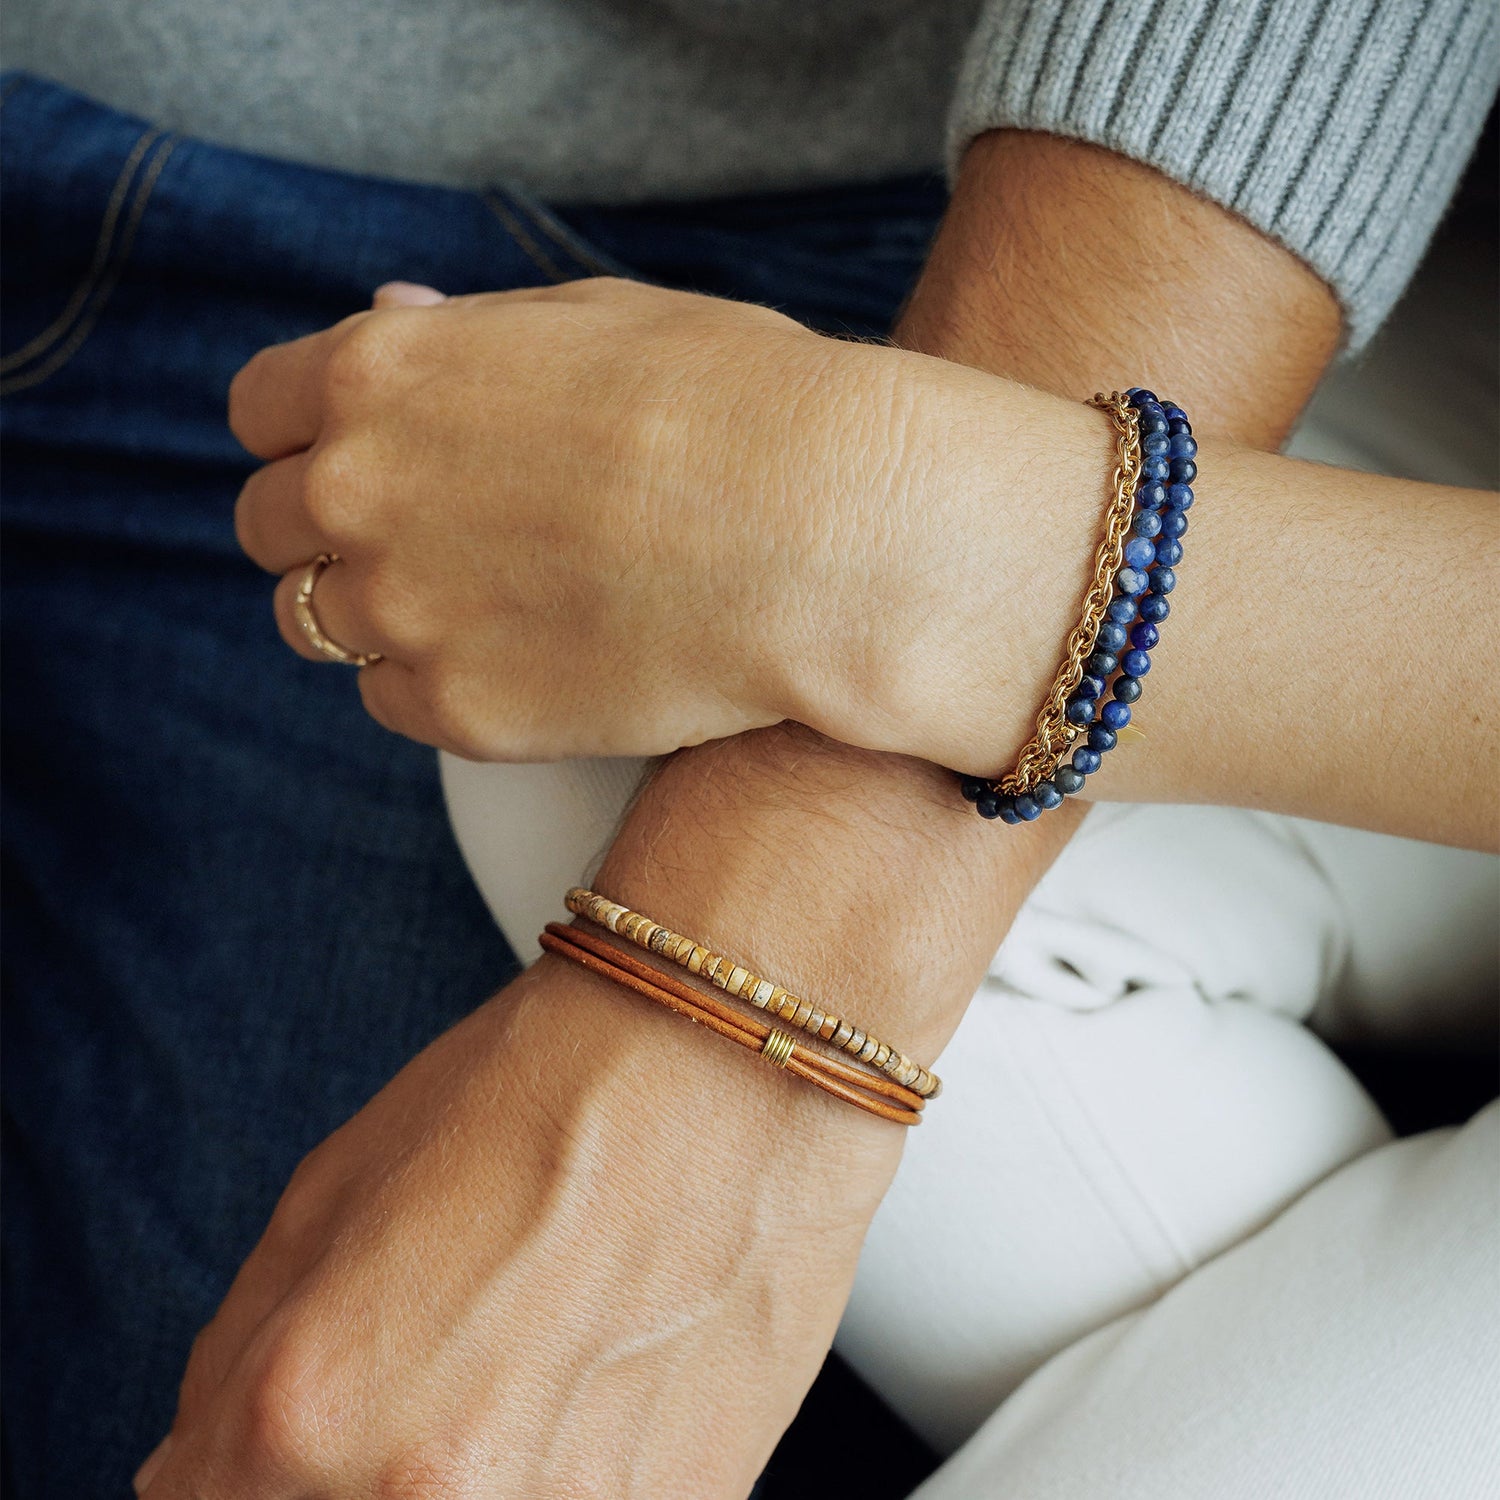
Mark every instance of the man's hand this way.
pixel 579 1247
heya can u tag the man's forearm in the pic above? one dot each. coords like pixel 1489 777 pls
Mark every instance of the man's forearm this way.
pixel 1070 268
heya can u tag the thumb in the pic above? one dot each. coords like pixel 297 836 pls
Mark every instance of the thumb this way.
pixel 406 294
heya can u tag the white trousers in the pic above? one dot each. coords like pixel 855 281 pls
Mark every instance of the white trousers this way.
pixel 1154 1242
pixel 1149 1185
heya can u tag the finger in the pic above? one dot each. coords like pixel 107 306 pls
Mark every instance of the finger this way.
pixel 406 294
pixel 195 1467
pixel 335 610
pixel 271 519
pixel 391 695
pixel 154 1460
pixel 276 400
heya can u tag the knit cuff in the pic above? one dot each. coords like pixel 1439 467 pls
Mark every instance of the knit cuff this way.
pixel 1337 127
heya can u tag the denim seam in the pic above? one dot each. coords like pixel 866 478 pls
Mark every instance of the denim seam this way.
pixel 517 230
pixel 545 222
pixel 97 288
pixel 55 331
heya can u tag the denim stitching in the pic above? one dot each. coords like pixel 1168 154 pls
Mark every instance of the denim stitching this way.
pixel 107 283
pixel 59 326
pixel 518 232
pixel 548 224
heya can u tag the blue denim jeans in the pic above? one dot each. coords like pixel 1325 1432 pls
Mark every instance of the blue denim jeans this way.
pixel 233 907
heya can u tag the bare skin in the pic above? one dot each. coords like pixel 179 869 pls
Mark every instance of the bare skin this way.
pixel 894 546
pixel 574 1209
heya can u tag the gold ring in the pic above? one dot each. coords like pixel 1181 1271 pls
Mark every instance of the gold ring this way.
pixel 302 611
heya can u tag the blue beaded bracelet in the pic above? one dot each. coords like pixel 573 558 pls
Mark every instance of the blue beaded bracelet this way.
pixel 1110 650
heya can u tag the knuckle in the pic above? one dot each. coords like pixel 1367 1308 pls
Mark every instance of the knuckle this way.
pixel 246 527
pixel 362 359
pixel 428 1472
pixel 452 711
pixel 335 492
pixel 241 396
pixel 289 1412
pixel 377 702
pixel 301 1205
pixel 398 616
pixel 200 1375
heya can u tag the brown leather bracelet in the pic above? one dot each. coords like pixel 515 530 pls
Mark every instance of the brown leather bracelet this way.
pixel 869 1091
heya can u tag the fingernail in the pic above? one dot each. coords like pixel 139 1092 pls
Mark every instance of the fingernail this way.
pixel 147 1471
pixel 407 294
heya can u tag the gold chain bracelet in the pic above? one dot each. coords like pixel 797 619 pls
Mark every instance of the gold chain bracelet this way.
pixel 1054 735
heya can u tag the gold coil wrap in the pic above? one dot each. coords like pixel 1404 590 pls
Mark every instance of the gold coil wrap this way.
pixel 777 1049
pixel 738 980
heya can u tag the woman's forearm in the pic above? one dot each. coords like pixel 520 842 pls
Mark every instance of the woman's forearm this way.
pixel 1328 629
pixel 1325 654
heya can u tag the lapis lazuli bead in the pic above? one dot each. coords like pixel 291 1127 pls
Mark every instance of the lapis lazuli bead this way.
pixel 1159 442
pixel 1144 635
pixel 1150 494
pixel 1153 607
pixel 1028 809
pixel 1116 715
pixel 972 788
pixel 1138 395
pixel 1121 611
pixel 1067 780
pixel 1163 580
pixel 1174 412
pixel 1046 795
pixel 1173 524
pixel 1136 662
pixel 1153 419
pixel 1132 580
pixel 1147 523
pixel 1181 470
pixel 1101 739
pixel 1140 552
pixel 1169 550
pixel 1089 686
pixel 1086 761
pixel 1158 467
pixel 1127 689
pixel 1080 711
pixel 987 804
pixel 1180 496
pixel 1183 445
pixel 1112 635
pixel 1008 812
pixel 1102 663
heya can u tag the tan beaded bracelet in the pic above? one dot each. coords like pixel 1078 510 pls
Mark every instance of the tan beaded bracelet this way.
pixel 872 1092
pixel 737 980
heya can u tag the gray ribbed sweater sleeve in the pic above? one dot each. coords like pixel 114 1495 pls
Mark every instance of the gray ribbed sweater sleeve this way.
pixel 1338 127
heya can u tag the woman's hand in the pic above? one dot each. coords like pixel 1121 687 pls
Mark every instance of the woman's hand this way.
pixel 606 518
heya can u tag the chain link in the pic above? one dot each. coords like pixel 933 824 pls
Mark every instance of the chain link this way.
pixel 1054 735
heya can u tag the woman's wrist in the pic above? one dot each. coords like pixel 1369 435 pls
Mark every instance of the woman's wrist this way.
pixel 990 529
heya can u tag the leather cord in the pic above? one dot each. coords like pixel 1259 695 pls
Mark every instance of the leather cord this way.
pixel 869 1091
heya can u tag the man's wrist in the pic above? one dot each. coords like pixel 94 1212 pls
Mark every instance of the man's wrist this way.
pixel 861 881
